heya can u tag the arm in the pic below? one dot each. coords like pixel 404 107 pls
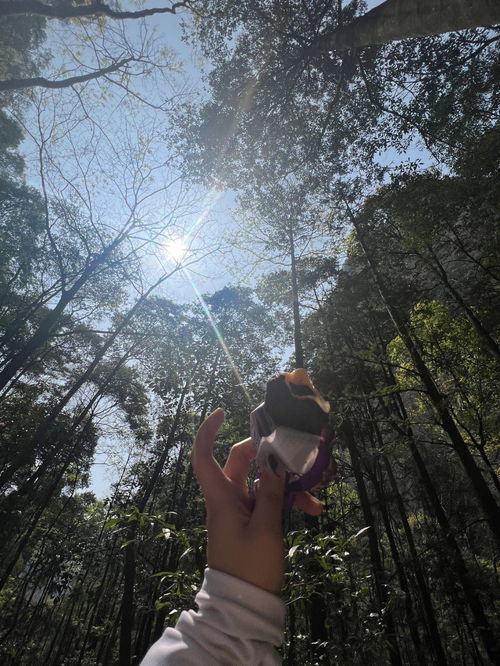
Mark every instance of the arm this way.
pixel 237 623
pixel 240 616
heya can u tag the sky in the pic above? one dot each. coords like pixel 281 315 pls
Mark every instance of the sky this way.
pixel 216 211
pixel 115 123
pixel 213 214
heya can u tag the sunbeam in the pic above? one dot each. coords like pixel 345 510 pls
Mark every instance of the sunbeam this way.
pixel 218 335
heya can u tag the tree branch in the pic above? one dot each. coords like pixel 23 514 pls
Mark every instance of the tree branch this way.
pixel 95 8
pixel 40 81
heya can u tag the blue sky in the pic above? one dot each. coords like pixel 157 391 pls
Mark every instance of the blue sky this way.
pixel 90 172
pixel 214 212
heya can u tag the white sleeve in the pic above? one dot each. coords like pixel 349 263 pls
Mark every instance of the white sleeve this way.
pixel 237 623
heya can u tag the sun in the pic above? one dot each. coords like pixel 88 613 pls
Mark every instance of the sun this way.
pixel 176 249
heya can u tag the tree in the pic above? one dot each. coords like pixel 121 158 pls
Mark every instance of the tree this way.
pixel 485 496
pixel 62 11
pixel 97 51
pixel 386 273
pixel 269 115
pixel 409 215
pixel 349 314
pixel 277 227
pixel 395 20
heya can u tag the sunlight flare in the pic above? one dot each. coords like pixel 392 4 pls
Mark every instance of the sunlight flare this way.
pixel 219 337
pixel 176 249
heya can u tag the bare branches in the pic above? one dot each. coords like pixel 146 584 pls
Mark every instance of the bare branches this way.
pixel 42 82
pixel 68 10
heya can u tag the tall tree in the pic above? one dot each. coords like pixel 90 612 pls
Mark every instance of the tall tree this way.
pixel 394 20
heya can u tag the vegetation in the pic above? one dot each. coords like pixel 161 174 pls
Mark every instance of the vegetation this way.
pixel 366 188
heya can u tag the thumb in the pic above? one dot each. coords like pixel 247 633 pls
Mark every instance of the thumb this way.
pixel 206 468
pixel 269 496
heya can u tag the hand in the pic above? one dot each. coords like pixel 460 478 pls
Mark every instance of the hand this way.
pixel 245 537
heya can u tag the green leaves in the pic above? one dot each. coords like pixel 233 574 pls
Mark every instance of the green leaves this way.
pixel 358 533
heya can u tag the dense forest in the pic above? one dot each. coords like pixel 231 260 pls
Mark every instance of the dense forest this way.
pixel 361 154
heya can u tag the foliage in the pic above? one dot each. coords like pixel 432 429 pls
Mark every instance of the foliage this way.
pixel 383 272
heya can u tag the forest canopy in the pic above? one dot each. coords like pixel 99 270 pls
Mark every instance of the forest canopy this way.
pixel 195 196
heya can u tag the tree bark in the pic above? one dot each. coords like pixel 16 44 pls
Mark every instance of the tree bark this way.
pixel 297 334
pixel 376 562
pixel 127 607
pixel 438 400
pixel 405 19
pixel 70 10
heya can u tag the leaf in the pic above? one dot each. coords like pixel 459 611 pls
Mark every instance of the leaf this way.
pixel 111 523
pixel 292 550
pixel 355 536
pixel 188 550
pixel 127 543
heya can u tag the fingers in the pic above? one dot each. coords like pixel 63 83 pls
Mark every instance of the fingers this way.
pixel 269 498
pixel 307 503
pixel 238 462
pixel 208 472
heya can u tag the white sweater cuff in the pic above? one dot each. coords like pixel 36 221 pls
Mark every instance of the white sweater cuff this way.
pixel 241 609
pixel 237 623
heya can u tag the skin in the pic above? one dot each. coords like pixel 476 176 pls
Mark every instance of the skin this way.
pixel 245 537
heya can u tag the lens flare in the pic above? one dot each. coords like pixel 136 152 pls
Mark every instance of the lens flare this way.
pixel 218 335
pixel 176 249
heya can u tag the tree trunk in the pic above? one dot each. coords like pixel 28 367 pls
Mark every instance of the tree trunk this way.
pixel 51 320
pixel 405 19
pixel 22 319
pixel 44 429
pixel 455 554
pixel 127 607
pixel 411 616
pixel 95 8
pixel 43 504
pixel 489 344
pixel 27 456
pixel 376 562
pixel 432 626
pixel 438 400
pixel 297 334
pixel 183 503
